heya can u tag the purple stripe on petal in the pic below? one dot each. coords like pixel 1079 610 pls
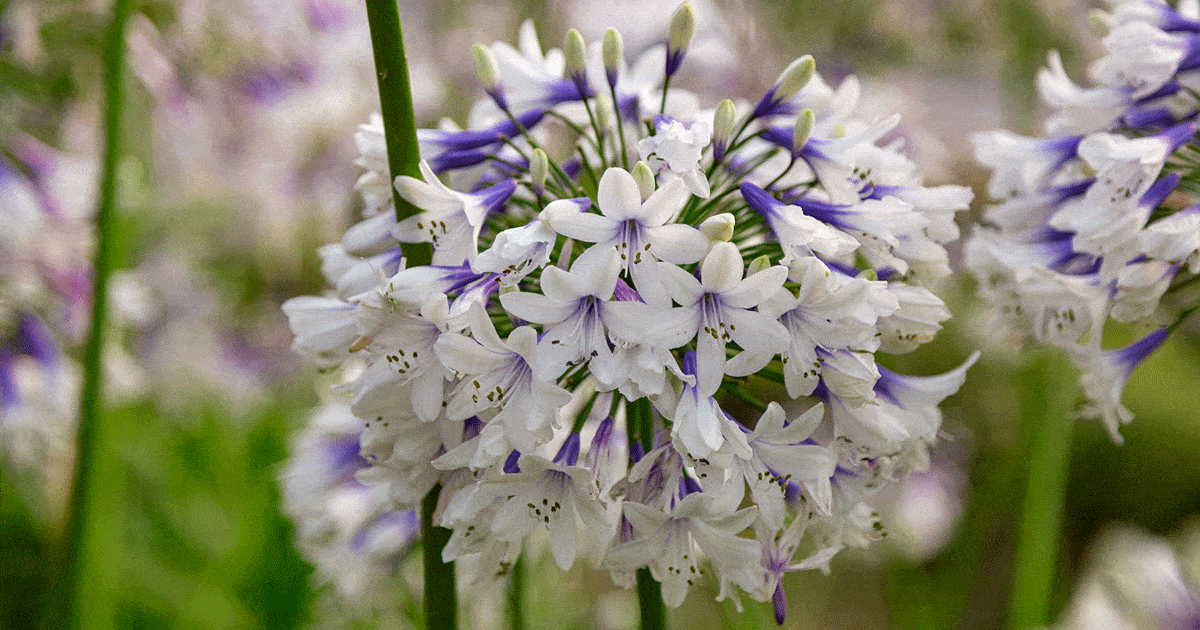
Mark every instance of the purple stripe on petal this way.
pixel 510 464
pixel 1159 190
pixel 568 453
pixel 636 452
pixel 471 428
pixel 1131 356
pixel 768 104
pixel 562 91
pixel 1179 134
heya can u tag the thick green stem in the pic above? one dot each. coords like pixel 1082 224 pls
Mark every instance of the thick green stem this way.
pixel 654 613
pixel 1049 426
pixel 395 101
pixel 516 594
pixel 441 600
pixel 63 609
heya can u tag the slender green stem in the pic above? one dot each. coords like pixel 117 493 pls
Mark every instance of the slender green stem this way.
pixel 654 613
pixel 395 102
pixel 63 609
pixel 612 89
pixel 1049 427
pixel 441 600
pixel 400 134
pixel 516 594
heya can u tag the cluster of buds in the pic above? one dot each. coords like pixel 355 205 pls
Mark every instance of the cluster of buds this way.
pixel 646 327
pixel 1097 220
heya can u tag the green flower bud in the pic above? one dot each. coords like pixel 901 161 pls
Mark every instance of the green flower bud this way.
pixel 644 178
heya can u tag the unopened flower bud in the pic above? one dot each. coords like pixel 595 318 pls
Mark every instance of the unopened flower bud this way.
pixel 575 56
pixel 539 168
pixel 644 178
pixel 718 227
pixel 804 125
pixel 604 110
pixel 757 265
pixel 683 26
pixel 722 129
pixel 790 82
pixel 488 73
pixel 614 51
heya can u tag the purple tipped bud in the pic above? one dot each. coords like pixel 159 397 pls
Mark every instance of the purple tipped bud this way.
pixel 779 599
pixel 679 35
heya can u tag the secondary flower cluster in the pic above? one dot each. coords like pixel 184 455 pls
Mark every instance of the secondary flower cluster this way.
pixel 1096 220
pixel 646 327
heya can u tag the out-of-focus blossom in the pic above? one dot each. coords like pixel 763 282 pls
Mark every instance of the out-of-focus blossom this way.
pixel 1137 581
pixel 1092 222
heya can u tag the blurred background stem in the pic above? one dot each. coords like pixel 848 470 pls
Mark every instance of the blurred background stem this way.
pixel 62 612
pixel 1048 427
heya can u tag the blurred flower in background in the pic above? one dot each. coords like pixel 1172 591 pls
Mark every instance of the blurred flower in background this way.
pixel 1138 581
pixel 1096 221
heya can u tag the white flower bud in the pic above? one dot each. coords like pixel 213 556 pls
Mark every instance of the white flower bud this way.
pixel 722 128
pixel 644 178
pixel 804 125
pixel 488 73
pixel 575 56
pixel 614 51
pixel 718 227
pixel 679 35
pixel 604 109
pixel 794 78
pixel 539 168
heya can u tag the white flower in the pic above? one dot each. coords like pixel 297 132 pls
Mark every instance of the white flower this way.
pixel 557 496
pixel 501 374
pixel 671 543
pixel 451 220
pixel 1140 58
pixel 1104 377
pixel 1175 239
pixel 716 310
pixel 778 455
pixel 577 310
pixel 517 252
pixel 674 152
pixel 637 230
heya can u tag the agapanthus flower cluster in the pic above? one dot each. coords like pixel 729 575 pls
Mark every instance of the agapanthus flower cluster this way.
pixel 647 332
pixel 1097 219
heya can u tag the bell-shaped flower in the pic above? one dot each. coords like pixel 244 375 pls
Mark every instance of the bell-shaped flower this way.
pixel 1105 375
pixel 450 220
